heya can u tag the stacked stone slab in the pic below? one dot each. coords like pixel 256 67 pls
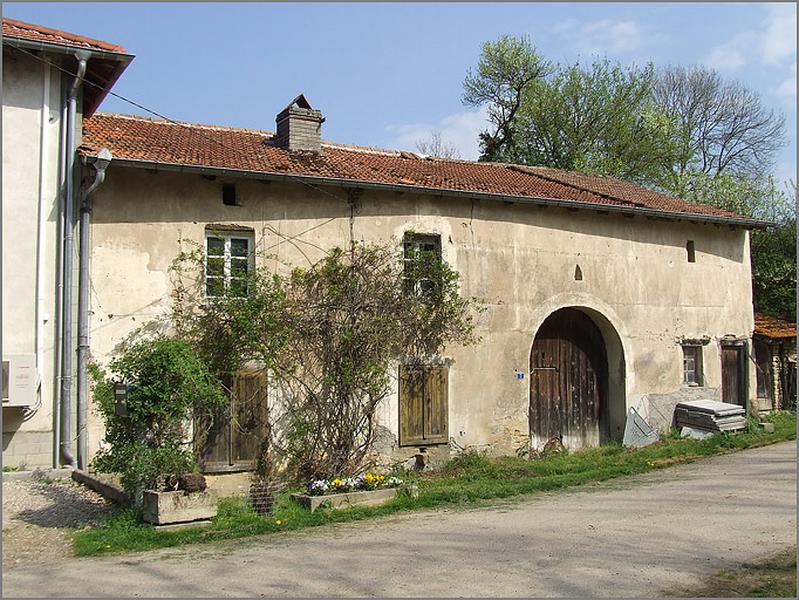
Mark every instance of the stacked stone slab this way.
pixel 709 415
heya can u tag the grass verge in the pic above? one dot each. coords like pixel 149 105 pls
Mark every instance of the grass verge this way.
pixel 466 480
pixel 773 577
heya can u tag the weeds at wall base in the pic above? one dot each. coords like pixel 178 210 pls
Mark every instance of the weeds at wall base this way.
pixel 466 481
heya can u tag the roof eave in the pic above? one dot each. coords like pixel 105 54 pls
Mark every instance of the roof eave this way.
pixel 121 59
pixel 65 49
pixel 363 184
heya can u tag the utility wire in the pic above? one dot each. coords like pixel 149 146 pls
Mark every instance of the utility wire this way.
pixel 164 117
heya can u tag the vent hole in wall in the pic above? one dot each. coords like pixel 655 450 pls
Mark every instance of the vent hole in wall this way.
pixel 691 251
pixel 229 194
pixel 578 273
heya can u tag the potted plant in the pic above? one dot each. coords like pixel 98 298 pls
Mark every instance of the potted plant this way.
pixel 147 437
pixel 371 489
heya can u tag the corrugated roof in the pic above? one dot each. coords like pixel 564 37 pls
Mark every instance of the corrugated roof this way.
pixel 189 144
pixel 773 327
pixel 38 33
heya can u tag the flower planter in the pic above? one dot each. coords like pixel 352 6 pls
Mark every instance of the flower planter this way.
pixel 347 499
pixel 163 508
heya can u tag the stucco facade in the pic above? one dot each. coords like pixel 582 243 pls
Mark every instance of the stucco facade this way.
pixel 518 259
pixel 32 94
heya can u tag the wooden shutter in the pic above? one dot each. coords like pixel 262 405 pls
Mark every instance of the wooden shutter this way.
pixel 423 406
pixel 436 405
pixel 249 412
pixel 411 407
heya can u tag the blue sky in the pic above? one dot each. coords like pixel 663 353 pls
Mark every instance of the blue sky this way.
pixel 389 74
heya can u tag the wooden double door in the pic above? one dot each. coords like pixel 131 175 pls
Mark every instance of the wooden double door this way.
pixel 568 381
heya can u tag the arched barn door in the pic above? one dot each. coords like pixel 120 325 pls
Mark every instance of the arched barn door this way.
pixel 568 381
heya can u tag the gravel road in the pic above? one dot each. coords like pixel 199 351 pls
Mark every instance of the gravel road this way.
pixel 37 516
pixel 635 536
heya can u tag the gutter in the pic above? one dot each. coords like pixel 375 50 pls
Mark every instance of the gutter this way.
pixel 70 149
pixel 361 184
pixel 100 163
pixel 71 50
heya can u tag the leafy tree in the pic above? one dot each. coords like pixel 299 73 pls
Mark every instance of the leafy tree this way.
pixel 168 387
pixel 682 130
pixel 597 119
pixel 505 71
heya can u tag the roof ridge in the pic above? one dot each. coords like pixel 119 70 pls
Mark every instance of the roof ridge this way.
pixel 179 123
pixel 326 143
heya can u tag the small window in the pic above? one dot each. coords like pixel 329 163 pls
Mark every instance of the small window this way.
pixel 689 248
pixel 228 263
pixel 692 365
pixel 229 194
pixel 416 245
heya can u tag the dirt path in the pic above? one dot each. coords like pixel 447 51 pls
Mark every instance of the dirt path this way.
pixel 631 537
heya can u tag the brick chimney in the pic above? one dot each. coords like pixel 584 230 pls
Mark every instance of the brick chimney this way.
pixel 299 126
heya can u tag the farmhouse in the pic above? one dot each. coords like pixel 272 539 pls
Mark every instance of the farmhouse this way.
pixel 600 295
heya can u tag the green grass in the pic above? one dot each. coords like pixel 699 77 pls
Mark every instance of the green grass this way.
pixel 772 577
pixel 464 481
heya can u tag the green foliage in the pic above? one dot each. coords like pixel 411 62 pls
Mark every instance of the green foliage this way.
pixel 168 386
pixel 683 131
pixel 774 270
pixel 327 335
pixel 597 119
pixel 349 316
pixel 505 71
pixel 469 479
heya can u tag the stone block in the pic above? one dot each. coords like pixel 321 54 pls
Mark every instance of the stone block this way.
pixel 162 508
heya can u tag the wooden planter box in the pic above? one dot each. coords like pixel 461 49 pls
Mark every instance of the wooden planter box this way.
pixel 347 499
pixel 163 508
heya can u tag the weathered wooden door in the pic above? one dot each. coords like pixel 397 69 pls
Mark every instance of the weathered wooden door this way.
pixel 568 381
pixel 231 440
pixel 423 406
pixel 733 374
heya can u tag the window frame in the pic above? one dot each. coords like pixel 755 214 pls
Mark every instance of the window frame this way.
pixel 698 366
pixel 228 260
pixel 416 242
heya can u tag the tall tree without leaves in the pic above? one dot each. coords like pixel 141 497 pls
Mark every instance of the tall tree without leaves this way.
pixel 718 127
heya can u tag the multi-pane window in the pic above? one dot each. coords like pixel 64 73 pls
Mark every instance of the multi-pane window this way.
pixel 228 261
pixel 692 364
pixel 416 248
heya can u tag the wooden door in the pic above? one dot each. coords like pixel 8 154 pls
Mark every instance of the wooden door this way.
pixel 423 406
pixel 232 438
pixel 568 381
pixel 733 372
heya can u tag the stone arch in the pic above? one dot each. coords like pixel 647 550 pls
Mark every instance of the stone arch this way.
pixel 591 349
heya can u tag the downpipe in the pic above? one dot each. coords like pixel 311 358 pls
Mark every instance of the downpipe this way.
pixel 100 164
pixel 65 396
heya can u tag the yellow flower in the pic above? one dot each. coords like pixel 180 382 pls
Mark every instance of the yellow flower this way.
pixel 337 482
pixel 278 522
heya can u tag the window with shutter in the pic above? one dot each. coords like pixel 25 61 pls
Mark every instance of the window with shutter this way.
pixel 423 406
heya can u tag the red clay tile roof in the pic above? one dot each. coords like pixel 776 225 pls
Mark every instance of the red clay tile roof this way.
pixel 158 141
pixel 37 33
pixel 774 328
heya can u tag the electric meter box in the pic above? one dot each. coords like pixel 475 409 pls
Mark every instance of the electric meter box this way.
pixel 20 380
